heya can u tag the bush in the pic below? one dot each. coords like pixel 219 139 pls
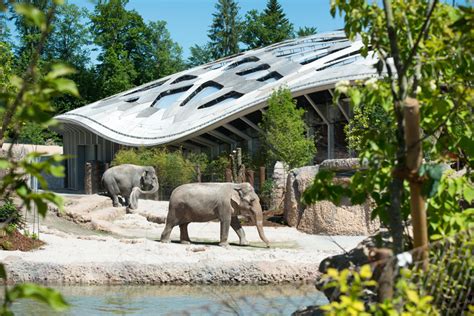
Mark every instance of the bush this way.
pixel 11 214
pixel 172 168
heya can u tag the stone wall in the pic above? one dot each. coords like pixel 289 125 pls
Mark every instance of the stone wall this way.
pixel 325 217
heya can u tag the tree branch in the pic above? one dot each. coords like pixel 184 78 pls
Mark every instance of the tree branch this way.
pixel 423 30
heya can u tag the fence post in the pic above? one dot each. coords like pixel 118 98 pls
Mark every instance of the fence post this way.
pixel 250 174
pixel 228 175
pixel 198 173
pixel 413 162
pixel 261 177
pixel 88 178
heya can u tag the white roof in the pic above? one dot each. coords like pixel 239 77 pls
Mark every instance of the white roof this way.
pixel 191 102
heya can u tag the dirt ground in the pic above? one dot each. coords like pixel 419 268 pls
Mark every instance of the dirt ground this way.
pixel 94 243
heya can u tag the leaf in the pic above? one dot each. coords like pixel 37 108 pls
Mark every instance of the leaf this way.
pixel 59 70
pixel 45 295
pixel 412 296
pixel 468 193
pixel 66 86
pixel 355 97
pixel 4 164
pixel 365 272
pixel 32 14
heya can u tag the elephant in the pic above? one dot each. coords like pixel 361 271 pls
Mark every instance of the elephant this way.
pixel 128 180
pixel 202 202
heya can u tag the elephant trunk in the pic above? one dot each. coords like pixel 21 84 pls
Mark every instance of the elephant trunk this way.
pixel 259 224
pixel 152 191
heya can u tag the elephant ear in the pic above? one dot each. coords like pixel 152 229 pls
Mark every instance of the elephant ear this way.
pixel 236 196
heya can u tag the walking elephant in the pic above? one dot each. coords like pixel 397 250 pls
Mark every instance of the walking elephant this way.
pixel 202 202
pixel 129 181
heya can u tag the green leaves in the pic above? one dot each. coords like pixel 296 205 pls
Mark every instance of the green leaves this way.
pixel 32 14
pixel 50 297
pixel 284 131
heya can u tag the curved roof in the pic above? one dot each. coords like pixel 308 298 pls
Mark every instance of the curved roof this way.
pixel 188 103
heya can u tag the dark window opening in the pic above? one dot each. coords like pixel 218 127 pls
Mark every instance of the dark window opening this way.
pixel 243 61
pixel 132 99
pixel 273 76
pixel 202 87
pixel 232 95
pixel 169 92
pixel 184 78
pixel 254 69
pixel 151 86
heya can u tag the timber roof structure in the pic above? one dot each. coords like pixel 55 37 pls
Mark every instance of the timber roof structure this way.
pixel 192 102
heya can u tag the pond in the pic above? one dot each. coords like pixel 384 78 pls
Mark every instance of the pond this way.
pixel 179 300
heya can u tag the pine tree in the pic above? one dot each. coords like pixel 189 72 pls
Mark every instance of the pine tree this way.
pixel 225 29
pixel 270 26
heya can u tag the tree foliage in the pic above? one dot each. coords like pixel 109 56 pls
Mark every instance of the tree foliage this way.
pixel 284 131
pixel 28 98
pixel 425 53
pixel 268 27
pixel 224 33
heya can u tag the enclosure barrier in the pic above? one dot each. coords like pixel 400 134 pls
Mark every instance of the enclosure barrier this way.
pixel 449 280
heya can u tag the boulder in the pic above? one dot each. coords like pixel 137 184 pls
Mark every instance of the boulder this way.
pixel 324 217
pixel 297 181
pixel 340 164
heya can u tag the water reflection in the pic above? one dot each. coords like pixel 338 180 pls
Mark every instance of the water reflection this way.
pixel 176 300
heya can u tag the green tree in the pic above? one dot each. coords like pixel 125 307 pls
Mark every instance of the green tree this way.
pixel 224 32
pixel 29 100
pixel 200 55
pixel 160 57
pixel 284 131
pixel 116 31
pixel 426 50
pixel 306 31
pixel 270 26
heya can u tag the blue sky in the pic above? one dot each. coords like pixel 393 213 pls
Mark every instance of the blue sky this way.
pixel 188 20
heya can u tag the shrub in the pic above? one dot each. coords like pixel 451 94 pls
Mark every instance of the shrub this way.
pixel 11 214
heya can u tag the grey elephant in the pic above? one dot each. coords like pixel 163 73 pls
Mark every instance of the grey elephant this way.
pixel 202 202
pixel 129 181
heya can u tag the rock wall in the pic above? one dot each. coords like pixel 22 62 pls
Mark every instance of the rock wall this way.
pixel 325 217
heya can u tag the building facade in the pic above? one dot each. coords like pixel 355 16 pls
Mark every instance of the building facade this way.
pixel 217 107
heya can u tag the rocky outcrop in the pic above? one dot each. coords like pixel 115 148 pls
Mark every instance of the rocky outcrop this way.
pixel 325 217
pixel 297 181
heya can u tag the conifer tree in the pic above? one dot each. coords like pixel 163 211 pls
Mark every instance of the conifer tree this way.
pixel 225 29
pixel 270 26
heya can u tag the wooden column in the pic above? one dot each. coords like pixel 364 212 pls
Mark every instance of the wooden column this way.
pixel 414 159
pixel 261 177
pixel 88 178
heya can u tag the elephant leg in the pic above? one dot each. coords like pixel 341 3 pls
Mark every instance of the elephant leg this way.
pixel 235 224
pixel 225 224
pixel 184 237
pixel 165 235
pixel 127 200
pixel 115 201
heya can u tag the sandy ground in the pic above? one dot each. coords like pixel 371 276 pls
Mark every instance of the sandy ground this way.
pixel 127 251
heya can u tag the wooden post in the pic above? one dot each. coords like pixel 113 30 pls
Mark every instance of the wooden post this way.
pixel 250 174
pixel 198 173
pixel 228 175
pixel 261 177
pixel 414 159
pixel 88 178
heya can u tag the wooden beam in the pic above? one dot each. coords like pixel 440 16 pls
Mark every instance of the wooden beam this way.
pixel 237 132
pixel 315 107
pixel 204 141
pixel 222 137
pixel 341 108
pixel 252 124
